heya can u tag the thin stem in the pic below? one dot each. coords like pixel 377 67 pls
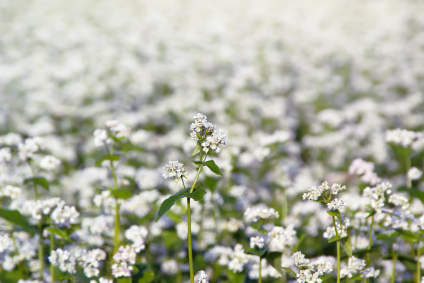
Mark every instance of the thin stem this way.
pixel 407 167
pixel 418 262
pixel 394 259
pixel 260 271
pixel 40 228
pixel 197 176
pixel 338 251
pixel 190 254
pixel 51 249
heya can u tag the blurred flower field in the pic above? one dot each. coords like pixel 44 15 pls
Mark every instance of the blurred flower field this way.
pixel 211 141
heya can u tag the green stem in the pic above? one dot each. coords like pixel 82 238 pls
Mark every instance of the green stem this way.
pixel 51 249
pixel 407 167
pixel 394 258
pixel 197 176
pixel 40 228
pixel 284 210
pixel 338 250
pixel 190 254
pixel 260 270
pixel 418 262
pixel 116 228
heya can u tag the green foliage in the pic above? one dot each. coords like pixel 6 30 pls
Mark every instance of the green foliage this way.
pixel 111 157
pixel 214 168
pixel 166 205
pixel 16 218
pixel 41 181
pixel 120 193
pixel 59 232
pixel 196 150
pixel 256 251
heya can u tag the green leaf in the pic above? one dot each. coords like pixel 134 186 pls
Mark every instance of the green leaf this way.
pixel 124 280
pixel 111 157
pixel 196 150
pixel 120 193
pixel 198 162
pixel 289 271
pixel 336 213
pixel 16 218
pixel 408 235
pixel 59 232
pixel 38 181
pixel 325 277
pixel 214 168
pixel 274 258
pixel 335 239
pixel 145 274
pixel 347 245
pixel 235 277
pixel 166 205
pixel 255 226
pixel 211 183
pixel 255 251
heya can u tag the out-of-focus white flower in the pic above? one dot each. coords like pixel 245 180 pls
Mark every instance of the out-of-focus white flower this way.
pixel 10 191
pixel 315 192
pixel 5 154
pixel 336 204
pixel 175 170
pixel 310 271
pixel 414 173
pixel 257 241
pixel 354 266
pixel 403 137
pixel 136 233
pixel 101 138
pixel 201 277
pixel 169 267
pixel 399 201
pixel 124 259
pixel 49 162
pixel 376 194
pixel 31 146
pixel 118 129
pixel 252 214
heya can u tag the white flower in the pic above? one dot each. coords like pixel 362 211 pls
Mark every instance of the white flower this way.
pixel 31 146
pixel 169 267
pixel 376 194
pixel 414 173
pixel 257 241
pixel 49 162
pixel 214 142
pixel 118 129
pixel 68 261
pixel 315 192
pixel 10 191
pixel 399 201
pixel 175 170
pixel 201 277
pixel 282 238
pixel 5 154
pixel 354 266
pixel 252 214
pixel 124 259
pixel 403 137
pixel 310 271
pixel 101 138
pixel 201 124
pixel 360 167
pixel 336 204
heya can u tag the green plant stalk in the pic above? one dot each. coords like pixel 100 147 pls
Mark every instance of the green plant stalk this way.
pixel 338 251
pixel 116 228
pixel 418 262
pixel 407 167
pixel 51 249
pixel 284 206
pixel 260 271
pixel 190 254
pixel 394 258
pixel 40 229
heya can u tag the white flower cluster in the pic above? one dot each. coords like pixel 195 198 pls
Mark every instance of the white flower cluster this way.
pixel 49 162
pixel 404 137
pixel 376 194
pixel 175 170
pixel 253 214
pixel 59 212
pixel 282 238
pixel 341 229
pixel 29 147
pixel 136 234
pixel 212 139
pixel 315 192
pixel 414 173
pixel 5 155
pixel 10 191
pixel 356 266
pixel 67 261
pixel 238 258
pixel 101 138
pixel 366 169
pixel 310 271
pixel 125 258
pixel 201 277
pixel 6 243
pixel 27 248
pixel 336 204
pixel 118 129
pixel 169 267
pixel 399 201
pixel 257 241
pixel 267 270
pixel 232 225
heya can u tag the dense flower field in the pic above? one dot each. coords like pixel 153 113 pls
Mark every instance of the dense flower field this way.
pixel 211 141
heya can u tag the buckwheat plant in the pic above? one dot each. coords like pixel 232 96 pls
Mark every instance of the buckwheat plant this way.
pixel 207 139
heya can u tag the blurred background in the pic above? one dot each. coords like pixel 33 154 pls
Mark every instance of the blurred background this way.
pixel 300 87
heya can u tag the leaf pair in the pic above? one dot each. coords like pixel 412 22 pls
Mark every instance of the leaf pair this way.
pixel 211 165
pixel 41 181
pixel 166 205
pixel 111 157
